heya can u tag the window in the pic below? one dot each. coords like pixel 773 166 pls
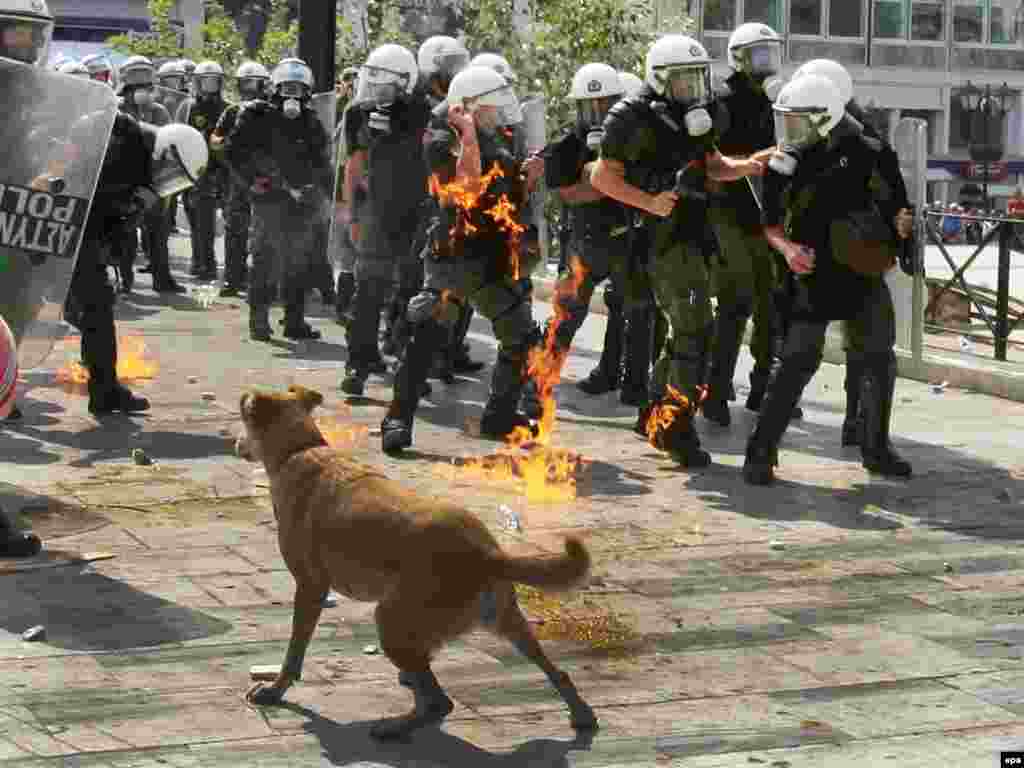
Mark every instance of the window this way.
pixel 805 17
pixel 890 19
pixel 968 21
pixel 844 19
pixel 1006 24
pixel 766 11
pixel 927 20
pixel 720 15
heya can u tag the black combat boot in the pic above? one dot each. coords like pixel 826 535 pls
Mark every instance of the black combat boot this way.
pixel 410 381
pixel 501 414
pixel 259 312
pixel 852 423
pixel 729 327
pixel 345 291
pixel 15 543
pixel 879 456
pixel 99 352
pixel 606 375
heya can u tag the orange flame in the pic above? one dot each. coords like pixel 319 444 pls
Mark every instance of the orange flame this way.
pixel 133 364
pixel 542 475
pixel 339 431
pixel 545 363
pixel 672 406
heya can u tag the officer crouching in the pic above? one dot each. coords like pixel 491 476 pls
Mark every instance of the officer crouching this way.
pixel 839 241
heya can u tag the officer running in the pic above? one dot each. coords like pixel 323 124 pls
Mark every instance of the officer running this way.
pixel 838 239
pixel 648 141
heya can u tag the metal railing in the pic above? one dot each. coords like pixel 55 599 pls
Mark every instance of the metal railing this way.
pixel 1003 230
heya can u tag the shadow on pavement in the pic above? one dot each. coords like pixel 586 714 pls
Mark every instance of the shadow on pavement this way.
pixel 351 744
pixel 84 611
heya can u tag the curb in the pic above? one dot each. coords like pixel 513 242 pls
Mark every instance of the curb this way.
pixel 978 375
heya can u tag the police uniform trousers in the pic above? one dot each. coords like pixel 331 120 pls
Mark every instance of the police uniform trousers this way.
pixel 505 301
pixel 203 229
pixel 283 238
pixel 680 282
pixel 380 256
pixel 90 307
pixel 871 334
pixel 744 281
pixel 609 257
pixel 343 254
pixel 237 219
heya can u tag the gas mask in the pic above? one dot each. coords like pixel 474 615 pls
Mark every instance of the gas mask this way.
pixel 785 161
pixel 142 97
pixel 486 120
pixel 594 138
pixel 291 108
pixel 590 114
pixel 698 121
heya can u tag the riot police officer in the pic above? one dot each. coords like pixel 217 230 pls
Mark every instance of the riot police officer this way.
pixel 171 74
pixel 136 77
pixel 251 80
pixel 345 250
pixel 471 256
pixel 744 273
pixel 280 149
pixel 384 127
pixel 891 184
pixel 602 239
pixel 25 31
pixel 839 239
pixel 202 111
pixel 100 69
pixel 654 144
pixel 190 69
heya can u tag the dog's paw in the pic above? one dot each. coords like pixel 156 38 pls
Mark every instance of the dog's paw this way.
pixel 583 718
pixel 263 695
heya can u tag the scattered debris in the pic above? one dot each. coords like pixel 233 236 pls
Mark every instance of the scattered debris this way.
pixel 966 345
pixel 940 387
pixel 34 634
pixel 193 379
pixel 331 600
pixel 208 396
pixel 371 650
pixel 947 567
pixel 777 545
pixel 264 672
pixel 140 457
pixel 509 519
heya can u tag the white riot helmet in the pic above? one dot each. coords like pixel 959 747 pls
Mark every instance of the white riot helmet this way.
pixel 26 27
pixel 251 77
pixel 831 70
pixel 498 63
pixel 631 84
pixel 390 72
pixel 476 87
pixel 292 83
pixel 443 57
pixel 755 50
pixel 595 88
pixel 180 156
pixel 189 65
pixel 208 79
pixel 807 110
pixel 172 74
pixel 679 69
pixel 136 72
pixel 74 68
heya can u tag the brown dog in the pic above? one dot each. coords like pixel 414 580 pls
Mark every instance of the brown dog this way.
pixel 433 568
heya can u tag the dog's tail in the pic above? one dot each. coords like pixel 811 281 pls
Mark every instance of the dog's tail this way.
pixel 544 572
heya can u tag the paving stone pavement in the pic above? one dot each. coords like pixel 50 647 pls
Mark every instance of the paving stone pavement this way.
pixel 832 620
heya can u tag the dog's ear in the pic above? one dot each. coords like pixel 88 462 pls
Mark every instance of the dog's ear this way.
pixel 309 398
pixel 259 408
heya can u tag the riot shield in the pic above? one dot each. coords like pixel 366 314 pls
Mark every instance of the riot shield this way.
pixel 325 105
pixel 172 101
pixel 535 134
pixel 908 293
pixel 55 135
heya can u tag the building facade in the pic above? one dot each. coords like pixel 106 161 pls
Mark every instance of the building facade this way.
pixel 908 58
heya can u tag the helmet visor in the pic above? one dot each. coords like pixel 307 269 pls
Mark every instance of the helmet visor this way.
pixel 381 86
pixel 25 40
pixel 797 129
pixel 450 64
pixel 292 89
pixel 504 98
pixel 685 84
pixel 136 76
pixel 591 112
pixel 250 87
pixel 209 84
pixel 174 82
pixel 760 59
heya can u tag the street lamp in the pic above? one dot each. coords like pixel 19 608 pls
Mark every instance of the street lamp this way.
pixel 985 109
